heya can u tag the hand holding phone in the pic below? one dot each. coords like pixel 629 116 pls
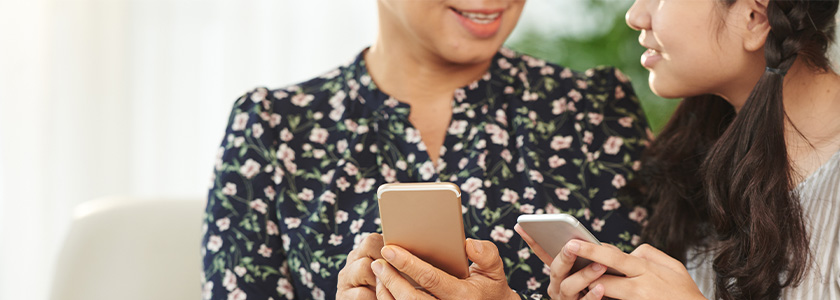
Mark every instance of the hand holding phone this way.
pixel 552 231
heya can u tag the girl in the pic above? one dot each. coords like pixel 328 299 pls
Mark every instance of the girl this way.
pixel 744 181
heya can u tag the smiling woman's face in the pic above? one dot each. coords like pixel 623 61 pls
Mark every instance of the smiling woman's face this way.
pixel 458 31
pixel 694 46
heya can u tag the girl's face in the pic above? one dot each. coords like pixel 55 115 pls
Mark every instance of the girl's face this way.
pixel 698 47
pixel 458 31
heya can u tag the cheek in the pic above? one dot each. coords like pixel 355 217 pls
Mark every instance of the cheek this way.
pixel 691 66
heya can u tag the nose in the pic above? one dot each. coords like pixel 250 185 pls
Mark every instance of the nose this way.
pixel 637 16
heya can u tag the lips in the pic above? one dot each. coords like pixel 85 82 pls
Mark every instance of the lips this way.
pixel 482 23
pixel 650 57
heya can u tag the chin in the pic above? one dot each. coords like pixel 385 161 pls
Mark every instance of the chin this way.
pixel 664 88
pixel 470 52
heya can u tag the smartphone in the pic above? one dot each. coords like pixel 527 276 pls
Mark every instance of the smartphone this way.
pixel 426 220
pixel 553 231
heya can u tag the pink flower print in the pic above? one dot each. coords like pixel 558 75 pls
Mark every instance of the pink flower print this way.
pixel 259 206
pixel 587 137
pixel 284 287
pixel 356 225
pixel 587 214
pixel 546 269
pixel 626 122
pixel 278 176
pixel 342 183
pixel 351 125
pixel 501 117
pixel 561 142
pixel 280 94
pixel 507 53
pixel 338 98
pixel 319 135
pixel 524 253
pixel 621 77
pixel 336 113
pixel 619 181
pixel 562 193
pixel 341 216
pixel 460 95
pixel 286 241
pixel 595 118
pixel 463 163
pixel 635 240
pixel 271 228
pixel 302 99
pixel 335 240
pixel 318 153
pixel 275 120
pixel 427 170
pixel 533 284
pixel 529 193
pixel 509 90
pixel 551 209
pixel 503 63
pixel 536 176
pixel 327 177
pixel 223 224
pixel 506 155
pixel 619 92
pixel 501 137
pixel 500 234
pixel 574 95
pixel 292 167
pixel 566 73
pixel 238 141
pixel 269 192
pixel 527 96
pixel 351 169
pixel 611 204
pixel 306 195
pixel 328 197
pixel 598 224
pixel 207 290
pixel 285 153
pixel 526 209
pixel 265 251
pixel 520 165
pixel 240 121
pixel 250 169
pixel 458 127
pixel 237 294
pixel 359 238
pixel 581 84
pixel 318 294
pixel 214 243
pixel 389 174
pixel 229 189
pixel 639 214
pixel 555 162
pixel 478 199
pixel 306 277
pixel 315 266
pixel 229 281
pixel 364 185
pixel 286 135
pixel 412 135
pixel 613 144
pixel 362 129
pixel 547 70
pixel 509 196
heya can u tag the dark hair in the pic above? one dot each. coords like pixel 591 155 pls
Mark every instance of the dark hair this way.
pixel 723 180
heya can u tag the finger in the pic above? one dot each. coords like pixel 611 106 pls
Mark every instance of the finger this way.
pixel 359 293
pixel 629 265
pixel 434 280
pixel 391 280
pixel 611 246
pixel 560 268
pixel 649 253
pixel 369 247
pixel 382 292
pixel 580 280
pixel 358 273
pixel 618 287
pixel 538 250
pixel 595 293
pixel 486 259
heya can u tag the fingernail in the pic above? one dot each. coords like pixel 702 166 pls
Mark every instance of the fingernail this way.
pixel 388 253
pixel 598 290
pixel 476 246
pixel 597 267
pixel 572 248
pixel 377 267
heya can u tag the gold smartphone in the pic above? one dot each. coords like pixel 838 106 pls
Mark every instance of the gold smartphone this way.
pixel 426 220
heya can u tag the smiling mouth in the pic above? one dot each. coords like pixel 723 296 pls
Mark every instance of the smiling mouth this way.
pixel 478 17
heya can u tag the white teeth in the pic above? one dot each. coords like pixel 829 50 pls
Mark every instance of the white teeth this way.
pixel 480 18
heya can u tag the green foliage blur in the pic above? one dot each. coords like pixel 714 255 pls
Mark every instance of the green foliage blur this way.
pixel 614 44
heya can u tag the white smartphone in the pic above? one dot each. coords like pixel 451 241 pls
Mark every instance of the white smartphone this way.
pixel 553 231
pixel 426 220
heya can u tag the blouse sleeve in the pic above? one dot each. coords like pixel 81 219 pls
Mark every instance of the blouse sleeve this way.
pixel 617 132
pixel 242 248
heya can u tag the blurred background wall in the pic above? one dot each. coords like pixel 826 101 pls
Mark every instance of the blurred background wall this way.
pixel 131 97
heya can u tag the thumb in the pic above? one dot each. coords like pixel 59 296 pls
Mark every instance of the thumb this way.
pixel 486 259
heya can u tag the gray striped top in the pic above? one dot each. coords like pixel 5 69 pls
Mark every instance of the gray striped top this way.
pixel 820 198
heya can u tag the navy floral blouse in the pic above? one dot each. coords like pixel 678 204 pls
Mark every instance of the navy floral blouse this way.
pixel 294 187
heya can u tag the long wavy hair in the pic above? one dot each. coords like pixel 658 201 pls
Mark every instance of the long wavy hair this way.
pixel 723 181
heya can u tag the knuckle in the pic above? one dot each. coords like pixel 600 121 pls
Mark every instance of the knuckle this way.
pixel 427 279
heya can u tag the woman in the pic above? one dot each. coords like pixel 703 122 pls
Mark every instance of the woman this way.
pixel 434 98
pixel 744 181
